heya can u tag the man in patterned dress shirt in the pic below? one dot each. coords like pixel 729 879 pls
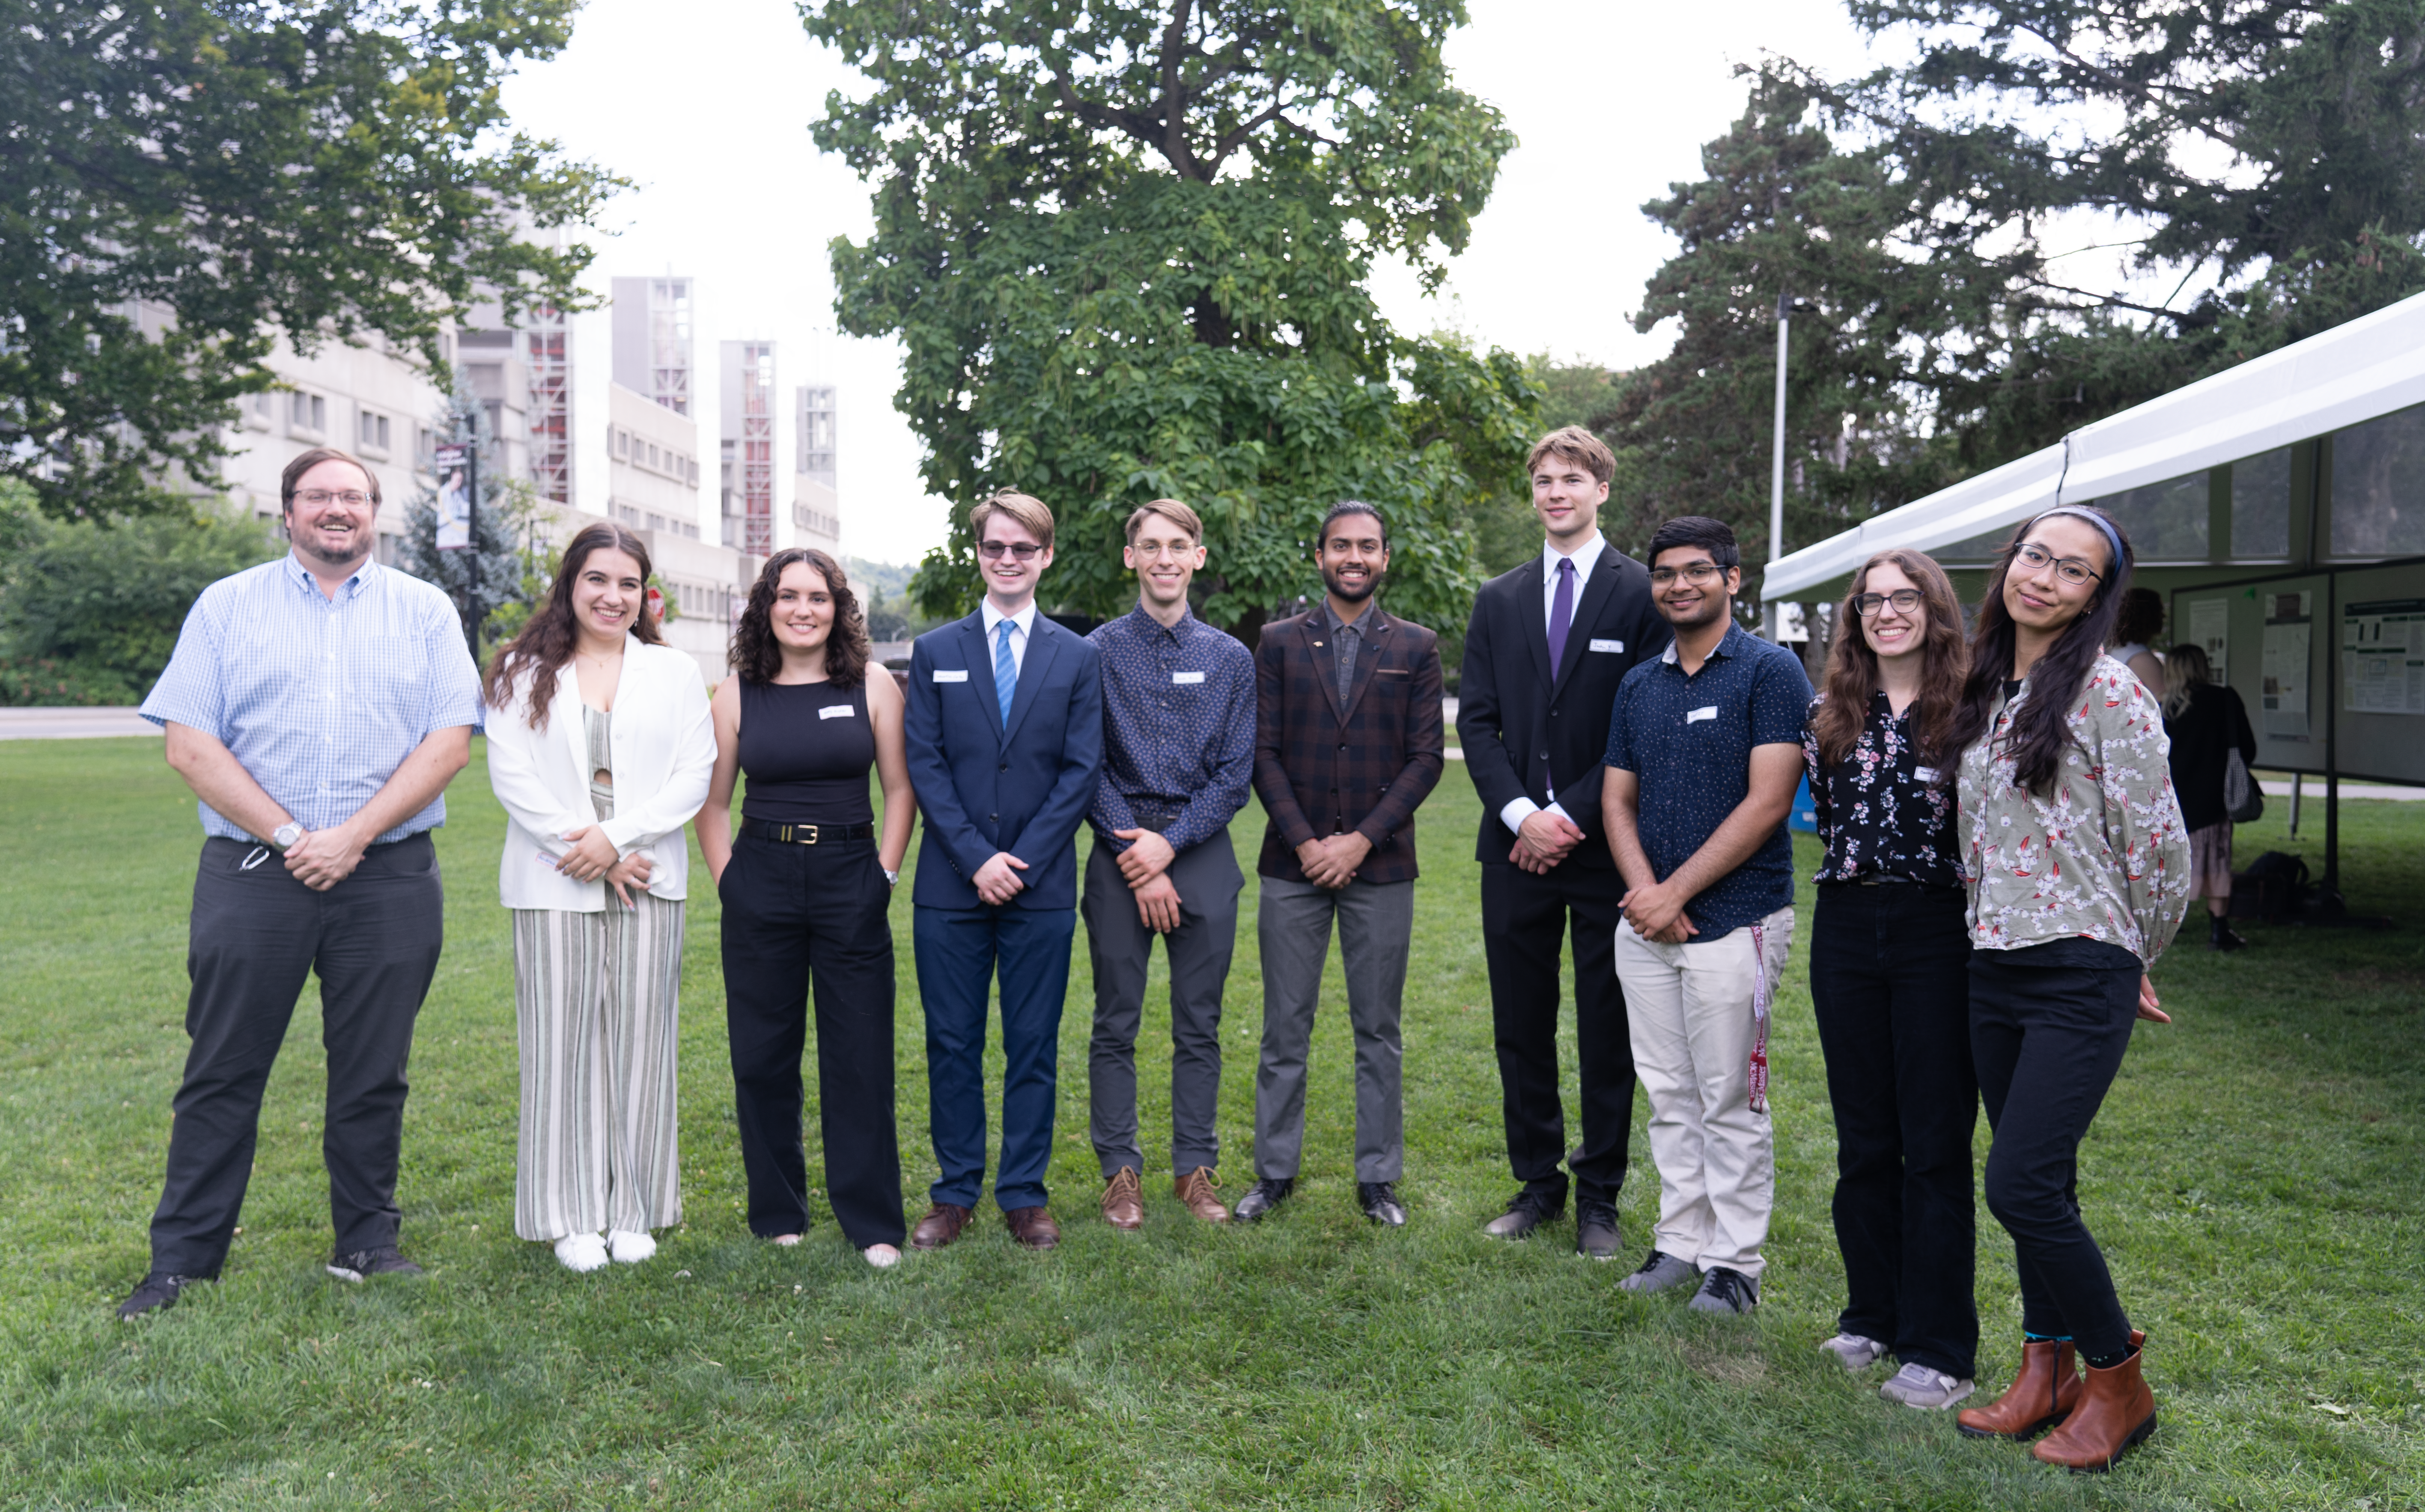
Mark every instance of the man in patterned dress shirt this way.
pixel 317 705
pixel 1179 758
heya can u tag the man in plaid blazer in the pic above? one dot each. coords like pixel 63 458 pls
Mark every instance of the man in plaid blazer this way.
pixel 1347 746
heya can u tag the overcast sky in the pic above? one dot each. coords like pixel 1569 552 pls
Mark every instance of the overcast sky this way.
pixel 706 106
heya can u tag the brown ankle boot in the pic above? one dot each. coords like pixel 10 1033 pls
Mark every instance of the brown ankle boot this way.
pixel 2043 1392
pixel 2116 1411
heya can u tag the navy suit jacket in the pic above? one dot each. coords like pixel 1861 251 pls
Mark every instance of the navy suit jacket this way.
pixel 983 788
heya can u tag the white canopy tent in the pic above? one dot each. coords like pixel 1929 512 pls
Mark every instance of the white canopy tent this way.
pixel 2344 377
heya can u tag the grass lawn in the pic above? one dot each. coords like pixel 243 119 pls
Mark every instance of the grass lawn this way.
pixel 2254 1178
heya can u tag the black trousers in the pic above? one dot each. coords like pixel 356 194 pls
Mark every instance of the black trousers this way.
pixel 1890 988
pixel 1523 916
pixel 2047 1041
pixel 256 934
pixel 796 915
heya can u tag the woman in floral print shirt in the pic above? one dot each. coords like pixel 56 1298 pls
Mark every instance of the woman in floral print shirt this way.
pixel 1890 978
pixel 2078 867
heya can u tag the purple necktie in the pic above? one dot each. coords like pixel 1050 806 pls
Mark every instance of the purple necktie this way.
pixel 1562 614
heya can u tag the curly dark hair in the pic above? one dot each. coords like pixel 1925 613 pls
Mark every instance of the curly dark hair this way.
pixel 758 656
pixel 546 641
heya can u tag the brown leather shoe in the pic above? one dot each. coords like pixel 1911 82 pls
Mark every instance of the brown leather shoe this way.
pixel 1124 1200
pixel 1032 1228
pixel 939 1227
pixel 2043 1394
pixel 1199 1190
pixel 2117 1411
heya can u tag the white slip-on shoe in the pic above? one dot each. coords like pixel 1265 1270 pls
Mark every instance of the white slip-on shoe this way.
pixel 883 1257
pixel 1854 1352
pixel 581 1251
pixel 628 1247
pixel 1930 1390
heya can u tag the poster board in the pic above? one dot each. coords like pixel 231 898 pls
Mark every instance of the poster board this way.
pixel 2379 635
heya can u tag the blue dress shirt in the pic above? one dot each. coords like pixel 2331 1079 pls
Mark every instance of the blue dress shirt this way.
pixel 1179 726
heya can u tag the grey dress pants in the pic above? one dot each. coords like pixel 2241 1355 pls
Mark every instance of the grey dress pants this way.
pixel 1208 882
pixel 1377 924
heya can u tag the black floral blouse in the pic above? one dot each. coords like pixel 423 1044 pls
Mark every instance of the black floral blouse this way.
pixel 1878 808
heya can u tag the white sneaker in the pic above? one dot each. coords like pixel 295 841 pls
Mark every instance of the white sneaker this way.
pixel 883 1257
pixel 630 1249
pixel 1931 1391
pixel 1854 1352
pixel 581 1251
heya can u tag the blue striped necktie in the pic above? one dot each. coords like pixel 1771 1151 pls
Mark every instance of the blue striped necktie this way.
pixel 1006 670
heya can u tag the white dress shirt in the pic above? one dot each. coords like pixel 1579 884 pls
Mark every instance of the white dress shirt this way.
pixel 1023 624
pixel 1585 557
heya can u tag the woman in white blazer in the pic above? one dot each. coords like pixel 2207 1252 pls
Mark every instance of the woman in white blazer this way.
pixel 600 747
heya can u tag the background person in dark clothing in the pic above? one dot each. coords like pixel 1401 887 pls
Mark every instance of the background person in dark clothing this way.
pixel 1890 979
pixel 2205 721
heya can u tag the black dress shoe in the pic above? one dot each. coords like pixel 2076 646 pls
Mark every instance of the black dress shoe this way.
pixel 157 1294
pixel 1596 1230
pixel 1266 1195
pixel 364 1264
pixel 1380 1203
pixel 1526 1212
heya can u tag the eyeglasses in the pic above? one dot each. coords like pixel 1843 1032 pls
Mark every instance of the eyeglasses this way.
pixel 1903 600
pixel 2070 569
pixel 1020 550
pixel 315 498
pixel 1695 573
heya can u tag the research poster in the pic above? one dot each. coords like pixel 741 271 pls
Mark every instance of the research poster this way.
pixel 2210 631
pixel 2382 656
pixel 2287 662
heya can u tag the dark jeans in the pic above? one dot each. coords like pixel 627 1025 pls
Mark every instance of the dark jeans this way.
pixel 255 936
pixel 1207 880
pixel 792 915
pixel 2048 1040
pixel 1889 986
pixel 1523 918
pixel 958 950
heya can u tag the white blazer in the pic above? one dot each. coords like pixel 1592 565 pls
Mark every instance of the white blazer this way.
pixel 662 746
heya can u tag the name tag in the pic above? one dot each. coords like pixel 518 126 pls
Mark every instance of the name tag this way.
pixel 1187 677
pixel 1608 644
pixel 960 676
pixel 1699 715
pixel 1924 774
pixel 843 710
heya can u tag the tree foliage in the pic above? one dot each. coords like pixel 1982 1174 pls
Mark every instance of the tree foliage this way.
pixel 1127 246
pixel 184 182
pixel 2269 152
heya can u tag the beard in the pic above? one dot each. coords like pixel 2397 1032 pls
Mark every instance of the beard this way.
pixel 1353 594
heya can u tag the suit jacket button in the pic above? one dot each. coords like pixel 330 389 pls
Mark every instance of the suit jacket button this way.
pixel 993 818
pixel 1006 766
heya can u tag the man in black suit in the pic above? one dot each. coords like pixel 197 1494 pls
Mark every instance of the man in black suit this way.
pixel 1546 647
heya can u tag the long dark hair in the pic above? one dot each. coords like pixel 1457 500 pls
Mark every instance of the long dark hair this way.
pixel 2041 730
pixel 547 639
pixel 758 656
pixel 1853 666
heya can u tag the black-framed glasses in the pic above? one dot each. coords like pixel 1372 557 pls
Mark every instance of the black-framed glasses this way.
pixel 1695 573
pixel 2070 569
pixel 1020 550
pixel 1903 600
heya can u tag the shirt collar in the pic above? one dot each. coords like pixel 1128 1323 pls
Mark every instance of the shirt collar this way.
pixel 1024 618
pixel 1362 624
pixel 1729 646
pixel 1146 624
pixel 298 573
pixel 1587 556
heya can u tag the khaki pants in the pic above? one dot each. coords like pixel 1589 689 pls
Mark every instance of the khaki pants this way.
pixel 1689 1008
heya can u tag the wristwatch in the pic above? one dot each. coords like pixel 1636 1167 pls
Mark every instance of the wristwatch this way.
pixel 891 878
pixel 287 836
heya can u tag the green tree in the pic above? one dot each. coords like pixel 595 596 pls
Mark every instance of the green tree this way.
pixel 1127 246
pixel 184 182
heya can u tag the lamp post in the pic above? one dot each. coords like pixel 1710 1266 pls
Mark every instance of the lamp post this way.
pixel 1787 308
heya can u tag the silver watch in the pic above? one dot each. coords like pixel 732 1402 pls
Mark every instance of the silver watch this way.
pixel 891 878
pixel 287 836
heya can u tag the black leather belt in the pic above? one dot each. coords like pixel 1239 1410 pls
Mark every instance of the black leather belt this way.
pixel 1150 817
pixel 806 834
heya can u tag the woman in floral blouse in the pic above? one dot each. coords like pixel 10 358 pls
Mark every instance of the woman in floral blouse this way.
pixel 2078 865
pixel 1890 978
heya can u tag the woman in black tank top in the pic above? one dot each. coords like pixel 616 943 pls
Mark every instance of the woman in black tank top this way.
pixel 806 880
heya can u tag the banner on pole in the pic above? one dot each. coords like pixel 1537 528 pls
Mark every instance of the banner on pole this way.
pixel 454 497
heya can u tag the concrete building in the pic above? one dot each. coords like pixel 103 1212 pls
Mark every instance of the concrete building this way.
pixel 746 462
pixel 652 331
pixel 816 506
pixel 651 464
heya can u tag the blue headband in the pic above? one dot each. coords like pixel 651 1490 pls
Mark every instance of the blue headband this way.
pixel 2113 538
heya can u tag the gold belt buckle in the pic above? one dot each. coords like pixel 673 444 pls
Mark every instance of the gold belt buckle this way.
pixel 794 833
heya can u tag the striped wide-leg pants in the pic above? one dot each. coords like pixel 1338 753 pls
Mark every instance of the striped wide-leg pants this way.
pixel 597 1005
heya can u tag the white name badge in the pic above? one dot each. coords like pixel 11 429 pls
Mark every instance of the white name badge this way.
pixel 1924 774
pixel 843 710
pixel 1608 644
pixel 942 676
pixel 1187 677
pixel 1699 715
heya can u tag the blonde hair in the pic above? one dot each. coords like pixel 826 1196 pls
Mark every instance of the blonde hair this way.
pixel 1172 510
pixel 1025 509
pixel 1575 444
pixel 2185 667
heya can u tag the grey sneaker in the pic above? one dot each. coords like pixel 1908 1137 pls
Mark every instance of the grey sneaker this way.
pixel 1658 1272
pixel 1725 1291
pixel 1931 1391
pixel 363 1264
pixel 1854 1352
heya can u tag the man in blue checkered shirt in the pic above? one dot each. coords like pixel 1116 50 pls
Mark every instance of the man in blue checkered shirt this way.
pixel 317 705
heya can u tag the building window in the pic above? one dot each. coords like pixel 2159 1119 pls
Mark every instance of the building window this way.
pixel 623 443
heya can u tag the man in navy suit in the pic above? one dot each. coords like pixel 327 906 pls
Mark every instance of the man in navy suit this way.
pixel 1005 734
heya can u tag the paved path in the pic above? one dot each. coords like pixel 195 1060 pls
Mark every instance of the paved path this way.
pixel 72 724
